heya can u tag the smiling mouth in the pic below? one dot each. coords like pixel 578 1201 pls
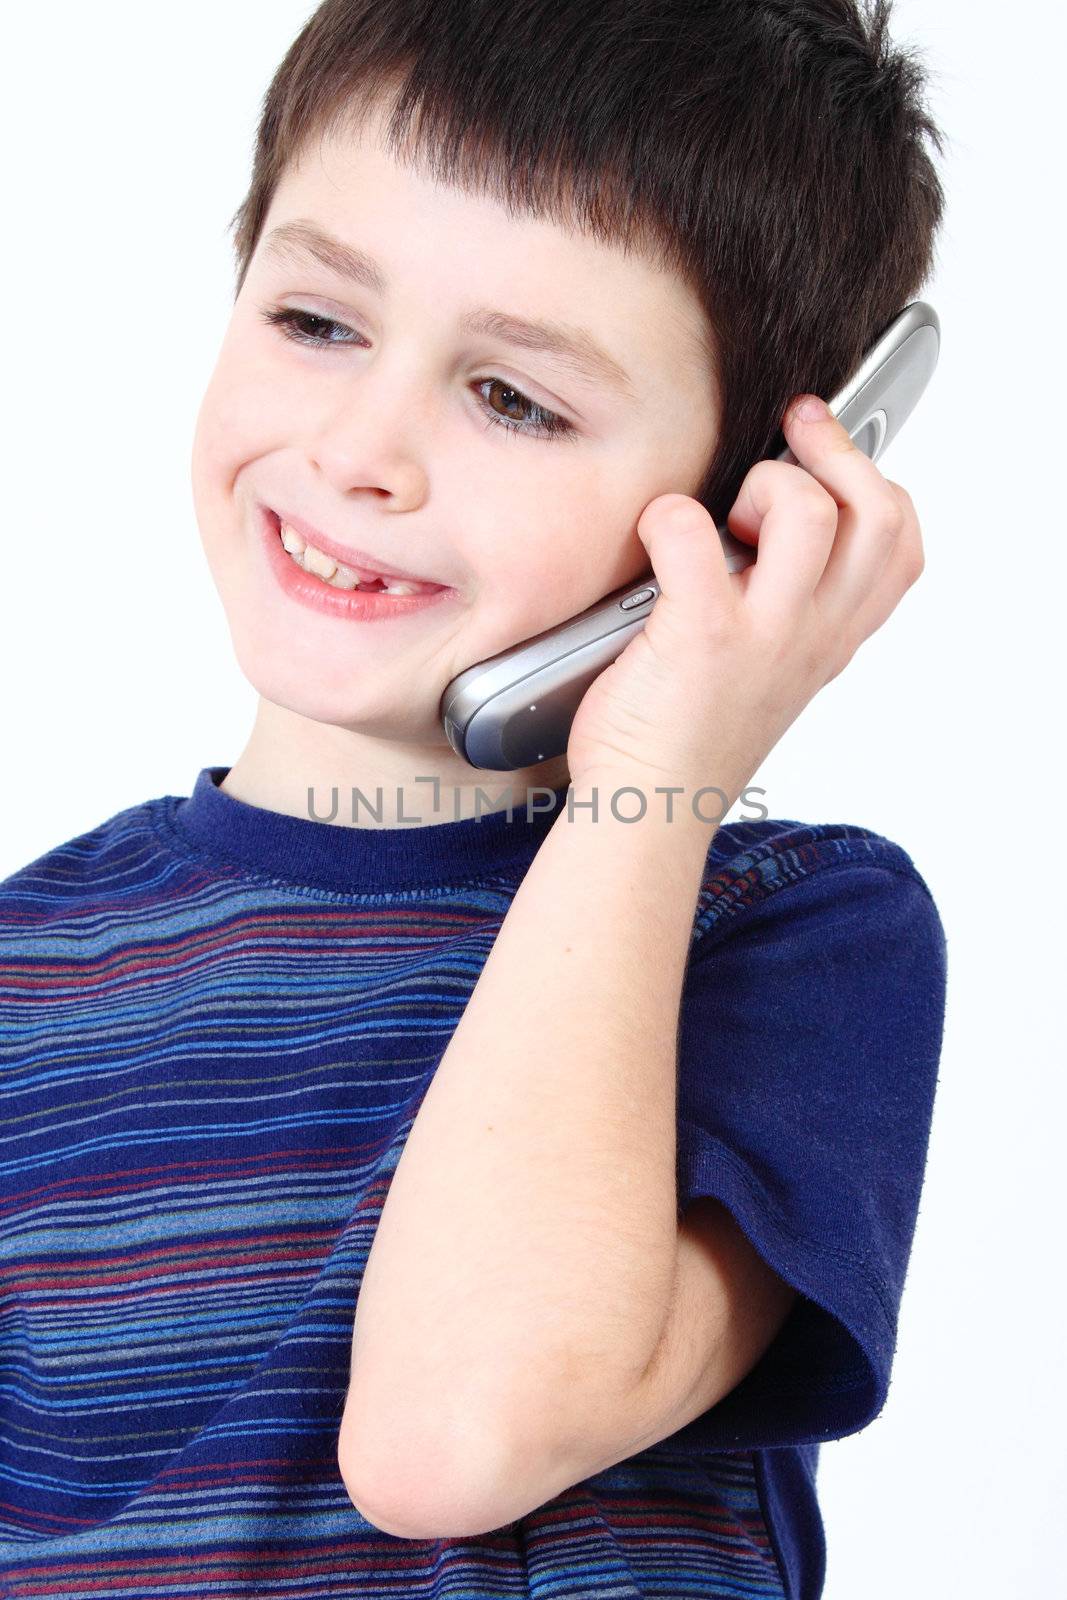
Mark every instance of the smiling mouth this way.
pixel 339 575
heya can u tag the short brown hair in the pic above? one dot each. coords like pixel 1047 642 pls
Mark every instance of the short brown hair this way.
pixel 771 152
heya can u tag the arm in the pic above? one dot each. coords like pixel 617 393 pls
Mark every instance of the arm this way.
pixel 522 1273
pixel 523 1267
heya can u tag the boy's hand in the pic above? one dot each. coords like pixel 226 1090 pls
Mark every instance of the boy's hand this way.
pixel 727 661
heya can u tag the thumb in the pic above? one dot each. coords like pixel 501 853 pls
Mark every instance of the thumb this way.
pixel 686 553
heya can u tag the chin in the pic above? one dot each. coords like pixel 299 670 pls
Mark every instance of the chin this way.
pixel 365 703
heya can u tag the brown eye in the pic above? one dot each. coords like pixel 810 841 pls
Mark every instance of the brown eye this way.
pixel 307 328
pixel 548 422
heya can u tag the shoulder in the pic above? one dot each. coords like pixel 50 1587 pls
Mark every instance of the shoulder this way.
pixel 817 951
pixel 774 867
pixel 109 857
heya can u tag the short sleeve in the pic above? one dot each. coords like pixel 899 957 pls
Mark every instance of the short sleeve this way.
pixel 809 1040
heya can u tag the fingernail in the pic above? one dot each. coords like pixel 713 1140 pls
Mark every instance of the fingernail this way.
pixel 812 409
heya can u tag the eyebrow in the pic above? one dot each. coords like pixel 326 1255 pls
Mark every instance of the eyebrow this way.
pixel 574 348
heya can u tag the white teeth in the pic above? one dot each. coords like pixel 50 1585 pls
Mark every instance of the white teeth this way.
pixel 315 561
pixel 344 577
pixel 336 574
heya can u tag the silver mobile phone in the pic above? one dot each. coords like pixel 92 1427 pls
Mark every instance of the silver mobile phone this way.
pixel 516 708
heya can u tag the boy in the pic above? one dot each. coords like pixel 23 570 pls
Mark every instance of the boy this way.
pixel 611 1117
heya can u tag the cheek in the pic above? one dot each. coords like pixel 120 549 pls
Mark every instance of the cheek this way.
pixel 537 569
pixel 241 417
pixel 579 545
pixel 235 427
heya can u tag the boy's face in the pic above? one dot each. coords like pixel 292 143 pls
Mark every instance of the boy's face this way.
pixel 385 440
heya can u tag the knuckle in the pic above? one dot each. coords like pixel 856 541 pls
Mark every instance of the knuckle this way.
pixel 901 493
pixel 839 661
pixel 769 479
pixel 768 473
pixel 911 559
pixel 893 514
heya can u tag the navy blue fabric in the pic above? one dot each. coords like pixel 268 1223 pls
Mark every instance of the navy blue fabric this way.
pixel 810 1039
pixel 187 932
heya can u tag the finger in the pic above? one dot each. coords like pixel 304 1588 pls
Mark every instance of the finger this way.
pixel 846 587
pixel 687 557
pixel 903 567
pixel 871 516
pixel 796 521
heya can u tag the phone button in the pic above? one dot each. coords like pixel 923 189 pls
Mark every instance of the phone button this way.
pixel 637 599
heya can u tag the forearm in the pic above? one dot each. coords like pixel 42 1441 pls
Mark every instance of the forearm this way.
pixel 527 1245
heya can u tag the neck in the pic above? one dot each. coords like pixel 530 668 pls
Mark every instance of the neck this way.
pixel 321 772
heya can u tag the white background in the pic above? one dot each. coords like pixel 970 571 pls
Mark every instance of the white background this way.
pixel 127 138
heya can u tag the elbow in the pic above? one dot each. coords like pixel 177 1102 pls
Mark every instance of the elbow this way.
pixel 417 1487
pixel 381 1512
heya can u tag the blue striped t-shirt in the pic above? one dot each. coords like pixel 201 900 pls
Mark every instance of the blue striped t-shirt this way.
pixel 218 1023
